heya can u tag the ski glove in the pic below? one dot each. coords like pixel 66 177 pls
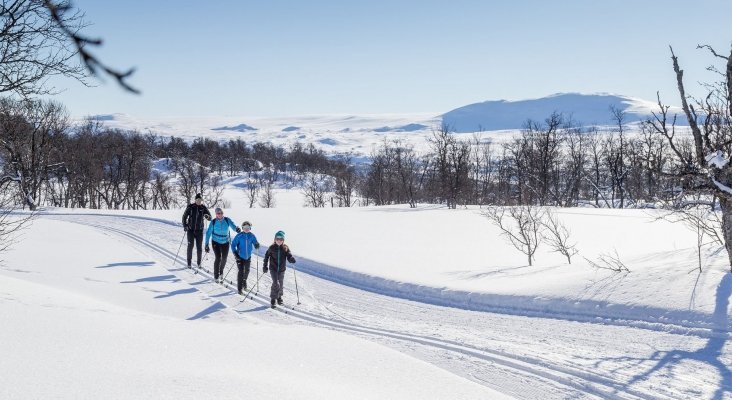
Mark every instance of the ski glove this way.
pixel 185 227
pixel 265 269
pixel 207 249
pixel 238 229
pixel 256 246
pixel 208 217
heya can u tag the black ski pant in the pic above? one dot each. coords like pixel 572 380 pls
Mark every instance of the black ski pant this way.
pixel 197 236
pixel 221 252
pixel 243 266
pixel 278 280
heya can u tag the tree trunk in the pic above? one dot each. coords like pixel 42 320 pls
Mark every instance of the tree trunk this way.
pixel 726 206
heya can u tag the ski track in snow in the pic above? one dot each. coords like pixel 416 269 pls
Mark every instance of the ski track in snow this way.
pixel 527 357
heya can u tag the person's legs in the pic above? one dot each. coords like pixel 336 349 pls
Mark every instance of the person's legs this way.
pixel 247 266
pixel 217 258
pixel 281 279
pixel 198 235
pixel 275 289
pixel 224 255
pixel 240 275
pixel 190 246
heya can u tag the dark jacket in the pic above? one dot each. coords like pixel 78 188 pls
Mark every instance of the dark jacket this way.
pixel 194 215
pixel 277 257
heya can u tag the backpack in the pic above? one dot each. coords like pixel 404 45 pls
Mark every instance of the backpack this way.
pixel 228 223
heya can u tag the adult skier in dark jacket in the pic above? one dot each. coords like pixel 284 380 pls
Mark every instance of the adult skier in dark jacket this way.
pixel 276 257
pixel 193 224
pixel 242 246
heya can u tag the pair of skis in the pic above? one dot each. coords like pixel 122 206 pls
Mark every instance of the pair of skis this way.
pixel 283 308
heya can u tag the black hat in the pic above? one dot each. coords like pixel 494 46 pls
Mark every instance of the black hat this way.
pixel 198 196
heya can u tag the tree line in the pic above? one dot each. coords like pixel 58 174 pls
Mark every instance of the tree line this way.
pixel 555 162
pixel 47 161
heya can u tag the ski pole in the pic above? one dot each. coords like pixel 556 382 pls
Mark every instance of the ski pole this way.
pixel 227 272
pixel 296 289
pixel 175 260
pixel 257 292
pixel 252 288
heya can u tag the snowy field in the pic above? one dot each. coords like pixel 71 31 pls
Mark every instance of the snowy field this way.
pixel 87 314
pixel 396 303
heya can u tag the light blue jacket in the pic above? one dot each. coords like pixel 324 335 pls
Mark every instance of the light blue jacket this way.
pixel 220 230
pixel 243 243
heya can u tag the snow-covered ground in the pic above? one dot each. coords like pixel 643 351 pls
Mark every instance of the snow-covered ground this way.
pixel 94 297
pixel 88 313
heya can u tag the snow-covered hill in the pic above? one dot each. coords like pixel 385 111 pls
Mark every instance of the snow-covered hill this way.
pixel 583 108
pixel 358 134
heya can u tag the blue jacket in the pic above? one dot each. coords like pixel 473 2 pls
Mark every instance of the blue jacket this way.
pixel 220 230
pixel 243 243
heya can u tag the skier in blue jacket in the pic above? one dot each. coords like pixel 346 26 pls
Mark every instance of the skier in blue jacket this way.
pixel 219 229
pixel 242 247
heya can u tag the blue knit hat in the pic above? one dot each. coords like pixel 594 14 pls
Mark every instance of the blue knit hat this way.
pixel 280 234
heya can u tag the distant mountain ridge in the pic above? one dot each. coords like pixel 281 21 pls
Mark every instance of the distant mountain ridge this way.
pixel 586 109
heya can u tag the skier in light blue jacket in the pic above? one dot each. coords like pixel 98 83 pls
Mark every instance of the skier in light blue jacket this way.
pixel 219 229
pixel 242 247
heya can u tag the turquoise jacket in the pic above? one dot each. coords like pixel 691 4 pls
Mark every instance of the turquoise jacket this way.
pixel 219 229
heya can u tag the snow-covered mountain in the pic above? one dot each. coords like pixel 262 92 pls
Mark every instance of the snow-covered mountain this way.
pixel 586 109
pixel 358 134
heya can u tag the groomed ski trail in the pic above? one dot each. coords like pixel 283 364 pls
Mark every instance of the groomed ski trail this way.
pixel 459 343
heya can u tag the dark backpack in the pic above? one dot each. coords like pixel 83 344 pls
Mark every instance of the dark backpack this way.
pixel 228 222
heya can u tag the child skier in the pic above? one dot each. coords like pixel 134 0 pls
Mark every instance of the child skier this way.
pixel 219 229
pixel 277 256
pixel 241 246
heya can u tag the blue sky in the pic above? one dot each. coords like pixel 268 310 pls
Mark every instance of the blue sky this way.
pixel 280 58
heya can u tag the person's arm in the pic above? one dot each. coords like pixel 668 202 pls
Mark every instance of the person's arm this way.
pixel 235 246
pixel 266 261
pixel 208 233
pixel 289 256
pixel 206 214
pixel 186 214
pixel 233 226
pixel 256 242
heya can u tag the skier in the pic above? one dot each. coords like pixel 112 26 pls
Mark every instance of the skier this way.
pixel 193 225
pixel 277 254
pixel 241 246
pixel 219 229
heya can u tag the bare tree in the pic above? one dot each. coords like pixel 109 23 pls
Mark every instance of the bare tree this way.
pixel 521 225
pixel 40 39
pixel 315 192
pixel 557 236
pixel 267 196
pixel 252 191
pixel 26 132
pixel 10 224
pixel 701 218
pixel 707 167
pixel 609 261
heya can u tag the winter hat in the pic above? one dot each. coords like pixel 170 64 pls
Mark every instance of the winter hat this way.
pixel 198 196
pixel 280 234
pixel 246 223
